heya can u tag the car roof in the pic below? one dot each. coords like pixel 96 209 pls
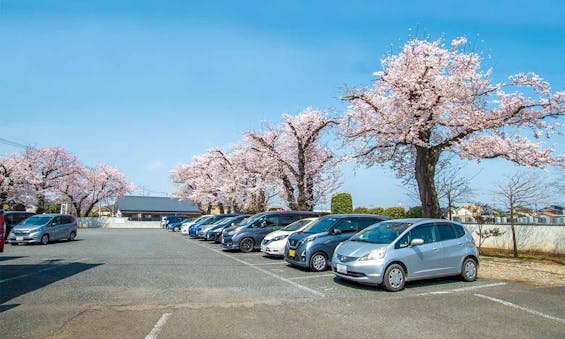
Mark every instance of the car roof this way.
pixel 339 216
pixel 14 212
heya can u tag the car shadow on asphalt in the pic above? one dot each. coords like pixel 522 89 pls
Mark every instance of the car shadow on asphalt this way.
pixel 11 258
pixel 17 280
pixel 409 285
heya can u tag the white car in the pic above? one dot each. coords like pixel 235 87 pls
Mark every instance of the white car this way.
pixel 275 242
pixel 186 226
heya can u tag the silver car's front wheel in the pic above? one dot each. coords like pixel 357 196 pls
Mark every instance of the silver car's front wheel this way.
pixel 394 278
pixel 45 239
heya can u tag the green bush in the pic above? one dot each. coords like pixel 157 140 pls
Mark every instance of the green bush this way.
pixel 395 212
pixel 342 203
pixel 361 210
pixel 414 212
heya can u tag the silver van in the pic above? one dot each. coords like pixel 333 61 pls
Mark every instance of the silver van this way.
pixel 395 251
pixel 43 228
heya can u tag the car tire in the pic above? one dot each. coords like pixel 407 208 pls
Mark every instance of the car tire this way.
pixel 176 229
pixel 14 244
pixel 44 239
pixel 469 270
pixel 246 245
pixel 72 236
pixel 394 278
pixel 318 262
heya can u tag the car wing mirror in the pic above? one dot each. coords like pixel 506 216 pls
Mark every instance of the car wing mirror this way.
pixel 336 232
pixel 417 242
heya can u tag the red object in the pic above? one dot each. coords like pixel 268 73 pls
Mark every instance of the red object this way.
pixel 1 231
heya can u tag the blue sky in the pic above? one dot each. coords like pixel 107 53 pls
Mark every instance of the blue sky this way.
pixel 144 85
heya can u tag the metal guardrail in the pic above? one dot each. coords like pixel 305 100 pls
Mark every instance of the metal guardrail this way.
pixel 515 224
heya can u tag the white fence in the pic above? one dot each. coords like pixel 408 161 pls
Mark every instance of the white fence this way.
pixel 111 222
pixel 544 238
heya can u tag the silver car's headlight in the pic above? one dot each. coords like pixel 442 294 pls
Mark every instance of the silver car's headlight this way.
pixel 280 237
pixel 374 255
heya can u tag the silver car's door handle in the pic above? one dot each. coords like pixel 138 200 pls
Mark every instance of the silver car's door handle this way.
pixel 435 249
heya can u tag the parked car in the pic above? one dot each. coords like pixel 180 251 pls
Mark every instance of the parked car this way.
pixel 184 228
pixel 169 219
pixel 275 242
pixel 248 237
pixel 193 230
pixel 216 232
pixel 12 218
pixel 43 228
pixel 396 251
pixel 206 231
pixel 176 226
pixel 314 246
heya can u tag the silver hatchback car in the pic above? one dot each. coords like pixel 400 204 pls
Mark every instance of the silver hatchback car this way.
pixel 395 251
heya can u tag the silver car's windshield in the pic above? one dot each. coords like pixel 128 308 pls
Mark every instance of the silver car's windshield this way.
pixel 34 221
pixel 382 233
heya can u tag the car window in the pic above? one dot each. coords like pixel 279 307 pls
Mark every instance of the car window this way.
pixel 366 222
pixel 285 220
pixel 271 220
pixel 346 226
pixel 57 221
pixel 459 231
pixel 67 219
pixel 403 242
pixel 424 232
pixel 9 219
pixel 445 232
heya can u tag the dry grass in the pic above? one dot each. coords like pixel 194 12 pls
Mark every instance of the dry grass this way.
pixel 532 256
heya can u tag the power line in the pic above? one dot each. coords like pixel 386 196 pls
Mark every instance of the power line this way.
pixel 13 143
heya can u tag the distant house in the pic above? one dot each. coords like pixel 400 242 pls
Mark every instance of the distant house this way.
pixel 552 211
pixel 153 208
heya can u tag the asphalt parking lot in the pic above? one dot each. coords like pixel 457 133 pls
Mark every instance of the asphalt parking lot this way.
pixel 154 283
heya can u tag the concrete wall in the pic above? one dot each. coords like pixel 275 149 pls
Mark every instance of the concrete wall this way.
pixel 545 238
pixel 111 222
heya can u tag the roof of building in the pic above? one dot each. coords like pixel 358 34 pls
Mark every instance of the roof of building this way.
pixel 156 204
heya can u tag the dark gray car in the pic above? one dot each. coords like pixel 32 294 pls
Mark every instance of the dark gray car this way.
pixel 43 228
pixel 314 246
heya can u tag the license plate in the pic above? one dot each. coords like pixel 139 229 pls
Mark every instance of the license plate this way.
pixel 19 238
pixel 291 253
pixel 341 268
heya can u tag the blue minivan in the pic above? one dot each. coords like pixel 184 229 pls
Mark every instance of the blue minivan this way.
pixel 314 246
pixel 43 228
pixel 248 236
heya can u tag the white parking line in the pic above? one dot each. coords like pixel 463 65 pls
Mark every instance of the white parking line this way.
pixel 507 303
pixel 158 326
pixel 293 283
pixel 463 289
pixel 312 276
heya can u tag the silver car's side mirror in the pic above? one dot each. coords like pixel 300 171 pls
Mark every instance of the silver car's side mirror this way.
pixel 417 242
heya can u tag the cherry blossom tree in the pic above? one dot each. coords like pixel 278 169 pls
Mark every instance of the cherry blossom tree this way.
pixel 43 170
pixel 307 168
pixel 12 183
pixel 90 186
pixel 430 99
pixel 237 181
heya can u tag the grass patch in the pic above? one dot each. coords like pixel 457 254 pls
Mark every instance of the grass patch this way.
pixel 524 255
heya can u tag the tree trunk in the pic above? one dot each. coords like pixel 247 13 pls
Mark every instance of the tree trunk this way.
pixel 514 244
pixel 289 190
pixel 426 161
